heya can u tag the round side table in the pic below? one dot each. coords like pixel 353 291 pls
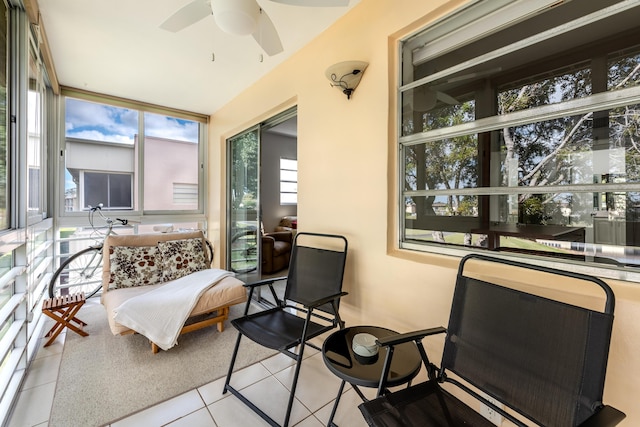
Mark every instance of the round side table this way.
pixel 341 360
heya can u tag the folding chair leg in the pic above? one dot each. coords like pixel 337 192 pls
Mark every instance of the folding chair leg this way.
pixel 233 362
pixel 294 385
pixel 292 395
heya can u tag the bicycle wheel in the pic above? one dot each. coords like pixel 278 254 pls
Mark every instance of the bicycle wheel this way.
pixel 244 252
pixel 81 272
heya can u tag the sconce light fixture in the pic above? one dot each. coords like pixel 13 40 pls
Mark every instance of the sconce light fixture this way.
pixel 346 75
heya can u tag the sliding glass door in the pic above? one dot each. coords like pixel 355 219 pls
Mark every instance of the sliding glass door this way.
pixel 243 202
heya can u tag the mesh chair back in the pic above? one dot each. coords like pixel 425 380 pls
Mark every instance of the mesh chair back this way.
pixel 316 272
pixel 502 341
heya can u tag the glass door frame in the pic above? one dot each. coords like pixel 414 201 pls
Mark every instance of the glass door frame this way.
pixel 243 223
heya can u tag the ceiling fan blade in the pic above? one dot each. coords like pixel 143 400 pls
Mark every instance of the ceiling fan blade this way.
pixel 188 15
pixel 314 3
pixel 267 36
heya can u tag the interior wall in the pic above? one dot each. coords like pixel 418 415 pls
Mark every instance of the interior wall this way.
pixel 273 147
pixel 347 181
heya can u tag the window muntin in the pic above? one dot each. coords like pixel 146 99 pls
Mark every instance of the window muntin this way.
pixel 540 157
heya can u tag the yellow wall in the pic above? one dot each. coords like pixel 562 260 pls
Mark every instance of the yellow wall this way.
pixel 346 181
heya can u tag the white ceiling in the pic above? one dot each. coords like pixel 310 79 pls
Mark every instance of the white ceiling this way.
pixel 116 47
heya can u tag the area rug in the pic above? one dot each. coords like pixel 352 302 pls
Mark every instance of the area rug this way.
pixel 104 377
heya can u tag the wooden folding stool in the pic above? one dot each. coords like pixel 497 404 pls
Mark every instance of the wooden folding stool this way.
pixel 63 310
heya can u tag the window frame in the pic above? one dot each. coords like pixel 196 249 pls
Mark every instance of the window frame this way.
pixel 469 24
pixel 138 212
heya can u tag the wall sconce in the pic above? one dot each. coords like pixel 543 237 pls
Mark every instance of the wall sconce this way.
pixel 346 75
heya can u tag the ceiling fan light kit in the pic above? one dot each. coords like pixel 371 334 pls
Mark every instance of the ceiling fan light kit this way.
pixel 346 76
pixel 237 17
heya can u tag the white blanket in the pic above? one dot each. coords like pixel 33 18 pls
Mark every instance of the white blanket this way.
pixel 161 313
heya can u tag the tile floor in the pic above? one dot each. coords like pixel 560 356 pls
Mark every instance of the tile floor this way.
pixel 266 383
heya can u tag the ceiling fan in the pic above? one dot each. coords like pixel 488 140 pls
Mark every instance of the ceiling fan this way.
pixel 240 17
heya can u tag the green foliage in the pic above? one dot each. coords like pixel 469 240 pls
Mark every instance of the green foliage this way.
pixel 244 165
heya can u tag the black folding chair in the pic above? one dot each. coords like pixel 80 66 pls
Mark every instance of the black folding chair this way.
pixel 543 357
pixel 309 307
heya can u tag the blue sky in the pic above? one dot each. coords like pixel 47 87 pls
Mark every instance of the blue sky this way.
pixel 99 122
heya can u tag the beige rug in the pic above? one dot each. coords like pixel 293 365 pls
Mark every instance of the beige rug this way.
pixel 105 377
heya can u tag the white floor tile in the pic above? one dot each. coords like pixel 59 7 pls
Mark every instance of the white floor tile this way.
pixel 56 347
pixel 200 418
pixel 269 395
pixel 310 422
pixel 165 412
pixel 266 383
pixel 348 414
pixel 34 406
pixel 231 412
pixel 278 362
pixel 249 375
pixel 316 385
pixel 43 370
pixel 212 392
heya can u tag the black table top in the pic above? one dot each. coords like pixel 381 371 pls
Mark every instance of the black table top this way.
pixel 339 357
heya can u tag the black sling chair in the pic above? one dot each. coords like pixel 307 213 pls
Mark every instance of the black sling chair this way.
pixel 309 307
pixel 543 358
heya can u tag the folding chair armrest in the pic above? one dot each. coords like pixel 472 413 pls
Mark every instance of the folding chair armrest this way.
pixel 605 417
pixel 322 301
pixel 264 282
pixel 409 336
pixel 398 339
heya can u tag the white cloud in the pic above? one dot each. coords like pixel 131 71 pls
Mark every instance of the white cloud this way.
pixel 94 135
pixel 170 128
pixel 118 123
pixel 101 122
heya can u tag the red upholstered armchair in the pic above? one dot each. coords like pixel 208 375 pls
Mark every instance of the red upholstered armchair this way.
pixel 276 251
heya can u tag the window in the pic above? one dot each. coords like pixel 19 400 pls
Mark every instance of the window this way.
pixel 101 144
pixel 35 144
pixel 105 154
pixel 4 148
pixel 25 247
pixel 171 150
pixel 521 135
pixel 288 181
pixel 111 189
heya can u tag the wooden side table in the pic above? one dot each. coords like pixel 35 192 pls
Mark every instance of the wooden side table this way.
pixel 63 310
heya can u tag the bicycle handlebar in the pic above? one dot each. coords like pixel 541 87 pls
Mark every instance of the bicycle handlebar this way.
pixel 98 208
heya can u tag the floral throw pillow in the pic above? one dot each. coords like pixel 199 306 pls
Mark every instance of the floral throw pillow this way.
pixel 134 266
pixel 181 257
